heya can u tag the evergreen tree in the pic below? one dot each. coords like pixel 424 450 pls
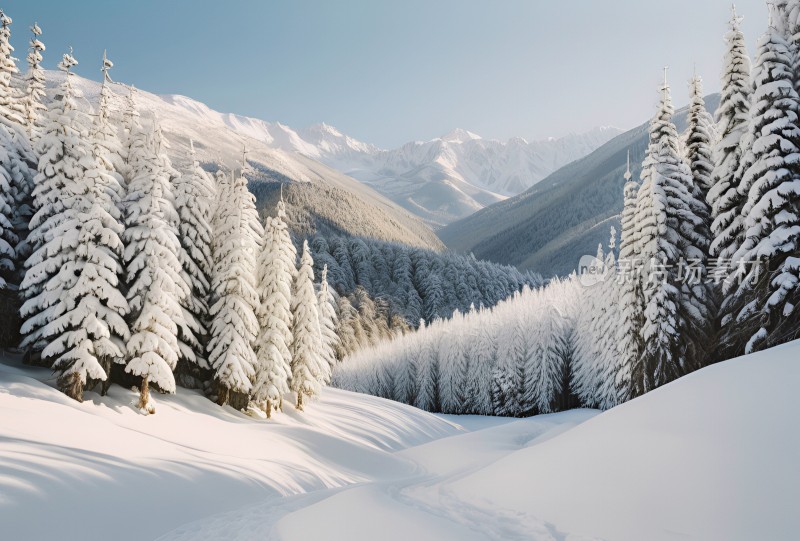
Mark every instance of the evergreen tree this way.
pixel 327 321
pixel 61 148
pixel 276 269
pixel 629 344
pixel 309 370
pixel 669 232
pixel 234 325
pixel 107 146
pixel 732 119
pixel 700 138
pixel 34 96
pixel 156 288
pixel 194 196
pixel 11 105
pixel 771 212
pixel 79 310
pixel 8 237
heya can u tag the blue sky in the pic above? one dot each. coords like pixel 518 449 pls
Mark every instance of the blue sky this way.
pixel 387 72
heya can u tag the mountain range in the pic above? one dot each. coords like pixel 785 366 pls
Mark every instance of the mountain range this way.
pixel 440 180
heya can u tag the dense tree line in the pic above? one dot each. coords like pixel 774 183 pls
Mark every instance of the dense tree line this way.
pixel 708 265
pixel 125 268
pixel 417 284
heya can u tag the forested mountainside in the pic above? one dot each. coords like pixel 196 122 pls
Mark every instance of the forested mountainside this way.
pixel 550 226
pixel 330 200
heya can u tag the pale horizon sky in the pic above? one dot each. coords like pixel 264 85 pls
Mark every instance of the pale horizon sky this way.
pixel 388 72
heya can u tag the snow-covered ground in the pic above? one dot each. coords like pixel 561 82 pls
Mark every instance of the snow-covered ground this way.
pixel 711 456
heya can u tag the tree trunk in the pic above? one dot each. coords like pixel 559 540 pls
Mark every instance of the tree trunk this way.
pixel 238 400
pixel 268 409
pixel 299 405
pixel 222 394
pixel 71 385
pixel 144 396
pixel 105 362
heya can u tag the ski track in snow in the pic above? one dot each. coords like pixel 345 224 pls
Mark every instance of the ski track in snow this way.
pixel 417 504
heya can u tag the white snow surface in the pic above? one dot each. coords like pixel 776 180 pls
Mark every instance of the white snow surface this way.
pixel 712 456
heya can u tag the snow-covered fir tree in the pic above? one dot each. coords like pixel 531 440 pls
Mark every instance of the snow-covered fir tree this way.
pixel 631 308
pixel 77 308
pixel 327 320
pixel 195 192
pixel 65 130
pixel 732 120
pixel 700 138
pixel 35 85
pixel 8 238
pixel 11 101
pixel 276 270
pixel 669 234
pixel 771 214
pixel 107 145
pixel 235 300
pixel 309 370
pixel 155 285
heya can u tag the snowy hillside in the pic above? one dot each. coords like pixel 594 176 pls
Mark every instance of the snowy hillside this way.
pixel 329 200
pixel 548 228
pixel 449 177
pixel 709 457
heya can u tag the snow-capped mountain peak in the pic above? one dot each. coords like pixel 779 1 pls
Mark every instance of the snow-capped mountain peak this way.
pixel 460 135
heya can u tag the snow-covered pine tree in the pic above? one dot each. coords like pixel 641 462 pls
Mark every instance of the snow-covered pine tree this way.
pixel 19 163
pixel 65 130
pixel 769 291
pixel 76 270
pixel 584 374
pixel 700 138
pixel 11 104
pixel 308 368
pixel 608 355
pixel 156 288
pixel 276 269
pixel 35 85
pixel 8 237
pixel 130 121
pixel 631 307
pixel 327 320
pixel 698 297
pixel 482 363
pixel 427 397
pixel 234 325
pixel 732 120
pixel 195 194
pixel 454 366
pixel 669 232
pixel 107 145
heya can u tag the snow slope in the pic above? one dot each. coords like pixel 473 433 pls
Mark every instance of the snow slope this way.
pixel 88 466
pixel 712 456
pixel 327 200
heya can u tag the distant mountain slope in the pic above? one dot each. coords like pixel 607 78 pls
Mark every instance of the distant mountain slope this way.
pixel 550 226
pixel 454 175
pixel 323 199
pixel 441 180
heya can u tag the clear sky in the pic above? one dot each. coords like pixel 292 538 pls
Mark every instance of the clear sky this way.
pixel 387 72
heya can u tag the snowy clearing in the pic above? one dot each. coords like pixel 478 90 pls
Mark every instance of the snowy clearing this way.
pixel 711 456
